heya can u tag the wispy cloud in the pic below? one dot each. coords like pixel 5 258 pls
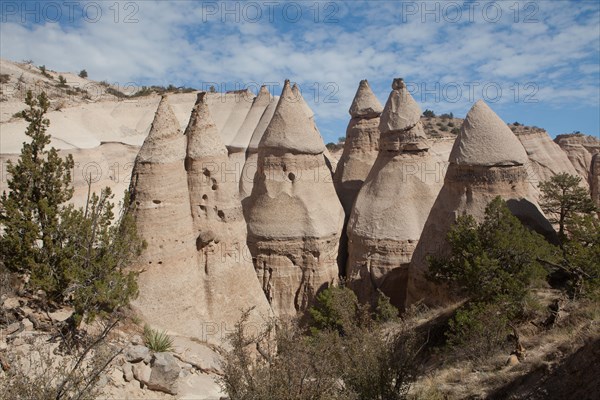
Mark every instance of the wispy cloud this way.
pixel 330 46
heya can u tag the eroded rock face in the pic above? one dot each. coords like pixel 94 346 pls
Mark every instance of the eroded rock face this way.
pixel 239 145
pixel 546 158
pixel 188 210
pixel 394 202
pixel 595 179
pixel 171 285
pixel 471 182
pixel 580 149
pixel 230 282
pixel 293 214
pixel 361 145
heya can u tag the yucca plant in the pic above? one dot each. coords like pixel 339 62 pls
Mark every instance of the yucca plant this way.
pixel 157 341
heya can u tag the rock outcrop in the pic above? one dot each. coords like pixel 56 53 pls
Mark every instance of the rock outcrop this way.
pixel 580 149
pixel 220 229
pixel 293 214
pixel 239 145
pixel 250 163
pixel 487 160
pixel 394 202
pixel 189 213
pixel 546 158
pixel 361 145
pixel 595 179
pixel 171 285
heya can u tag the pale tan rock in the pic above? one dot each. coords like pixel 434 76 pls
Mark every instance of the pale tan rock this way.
pixel 224 259
pixel 165 372
pixel 486 140
pixel 294 216
pixel 546 158
pixel 468 189
pixel 164 221
pixel 250 164
pixel 360 147
pixel 239 145
pixel 595 178
pixel 393 204
pixel 243 102
pixel 580 149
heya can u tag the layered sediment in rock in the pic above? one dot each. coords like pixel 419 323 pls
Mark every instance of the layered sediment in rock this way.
pixel 220 229
pixel 250 163
pixel 172 284
pixel 361 145
pixel 293 214
pixel 546 158
pixel 580 149
pixel 239 145
pixel 487 160
pixel 393 203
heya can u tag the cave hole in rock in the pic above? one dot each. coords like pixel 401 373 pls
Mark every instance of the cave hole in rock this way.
pixel 156 201
pixel 221 214
pixel 291 176
pixel 204 197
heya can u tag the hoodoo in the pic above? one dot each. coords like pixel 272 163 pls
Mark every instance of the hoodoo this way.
pixel 293 214
pixel 487 160
pixel 239 144
pixel 392 206
pixel 220 229
pixel 159 190
pixel 361 145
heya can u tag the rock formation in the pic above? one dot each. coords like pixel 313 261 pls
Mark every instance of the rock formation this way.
pixel 293 214
pixel 595 179
pixel 243 102
pixel 487 160
pixel 239 145
pixel 171 285
pixel 361 145
pixel 225 260
pixel 580 149
pixel 250 164
pixel 546 158
pixel 394 202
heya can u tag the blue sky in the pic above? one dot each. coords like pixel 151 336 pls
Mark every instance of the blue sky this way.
pixel 536 62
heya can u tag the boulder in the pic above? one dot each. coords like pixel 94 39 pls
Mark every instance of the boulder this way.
pixel 136 353
pixel 165 372
pixel 141 372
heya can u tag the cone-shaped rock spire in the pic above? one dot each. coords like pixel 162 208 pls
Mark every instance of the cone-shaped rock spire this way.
pixel 360 147
pixel 163 218
pixel 294 216
pixel 365 103
pixel 386 221
pixel 219 225
pixel 486 140
pixel 487 160
pixel 288 129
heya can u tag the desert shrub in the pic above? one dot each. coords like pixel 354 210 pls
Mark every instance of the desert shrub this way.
pixel 444 128
pixel 498 256
pixel 62 82
pixel 516 123
pixel 4 78
pixel 455 131
pixel 428 114
pixel 115 92
pixel 158 341
pixel 41 375
pixel 83 74
pixel 349 354
pixel 478 330
pixel 75 256
pixel 447 116
pixel 451 124
pixel 44 72
pixel 493 264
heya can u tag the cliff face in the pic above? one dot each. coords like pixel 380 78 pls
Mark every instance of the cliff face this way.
pixel 580 150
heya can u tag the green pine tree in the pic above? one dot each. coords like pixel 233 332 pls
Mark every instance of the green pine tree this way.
pixel 40 184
